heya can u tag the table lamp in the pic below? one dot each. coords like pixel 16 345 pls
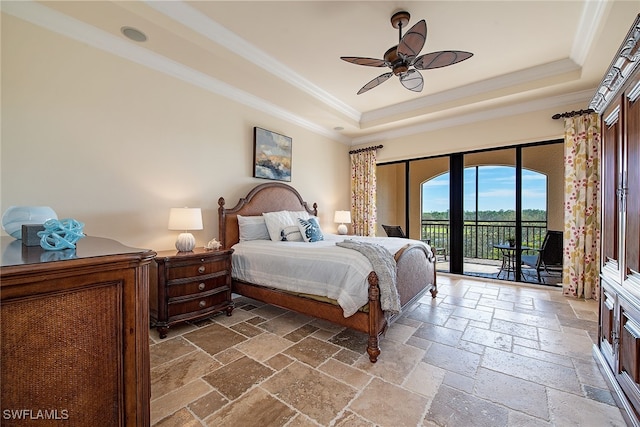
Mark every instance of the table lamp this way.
pixel 342 217
pixel 185 219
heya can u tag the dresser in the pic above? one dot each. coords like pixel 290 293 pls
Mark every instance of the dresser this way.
pixel 618 103
pixel 189 286
pixel 75 334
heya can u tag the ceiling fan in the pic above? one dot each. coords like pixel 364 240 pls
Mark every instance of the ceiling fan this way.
pixel 404 55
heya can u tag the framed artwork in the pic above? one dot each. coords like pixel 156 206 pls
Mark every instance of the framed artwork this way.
pixel 271 155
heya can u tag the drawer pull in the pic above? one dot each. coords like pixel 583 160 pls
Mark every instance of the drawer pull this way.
pixel 203 304
pixel 201 286
pixel 201 269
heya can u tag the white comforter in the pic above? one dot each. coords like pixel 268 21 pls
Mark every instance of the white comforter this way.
pixel 319 268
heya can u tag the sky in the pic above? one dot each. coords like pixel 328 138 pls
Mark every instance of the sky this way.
pixel 496 190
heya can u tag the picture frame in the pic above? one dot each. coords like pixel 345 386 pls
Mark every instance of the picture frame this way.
pixel 271 155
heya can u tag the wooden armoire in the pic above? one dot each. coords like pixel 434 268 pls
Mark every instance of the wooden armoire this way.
pixel 617 100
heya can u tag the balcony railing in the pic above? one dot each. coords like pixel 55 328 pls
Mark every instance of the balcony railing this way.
pixel 480 236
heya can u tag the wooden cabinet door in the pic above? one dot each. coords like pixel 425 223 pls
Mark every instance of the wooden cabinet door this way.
pixel 611 167
pixel 632 178
pixel 628 373
pixel 607 324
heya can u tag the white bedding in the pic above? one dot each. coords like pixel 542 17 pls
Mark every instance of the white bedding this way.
pixel 319 268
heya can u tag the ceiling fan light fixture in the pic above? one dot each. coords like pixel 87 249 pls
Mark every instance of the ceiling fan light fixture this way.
pixel 403 59
pixel 400 69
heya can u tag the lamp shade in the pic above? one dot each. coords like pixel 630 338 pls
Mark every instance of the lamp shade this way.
pixel 342 217
pixel 185 219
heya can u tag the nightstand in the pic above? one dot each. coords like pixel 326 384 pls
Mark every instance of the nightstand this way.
pixel 189 286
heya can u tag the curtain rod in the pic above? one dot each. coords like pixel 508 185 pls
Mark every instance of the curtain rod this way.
pixel 572 113
pixel 365 149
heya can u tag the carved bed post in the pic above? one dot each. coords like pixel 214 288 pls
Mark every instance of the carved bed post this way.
pixel 222 230
pixel 374 308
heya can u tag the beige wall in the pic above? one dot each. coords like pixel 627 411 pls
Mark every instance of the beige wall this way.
pixel 390 196
pixel 549 160
pixel 514 130
pixel 115 145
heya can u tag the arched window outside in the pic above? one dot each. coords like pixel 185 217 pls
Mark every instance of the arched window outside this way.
pixel 489 209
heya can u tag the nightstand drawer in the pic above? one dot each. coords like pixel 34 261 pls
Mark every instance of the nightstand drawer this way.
pixel 197 304
pixel 188 286
pixel 194 269
pixel 196 285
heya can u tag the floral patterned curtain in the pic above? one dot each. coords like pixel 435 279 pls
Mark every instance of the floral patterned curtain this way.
pixel 363 192
pixel 581 262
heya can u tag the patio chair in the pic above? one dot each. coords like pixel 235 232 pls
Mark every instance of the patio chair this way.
pixel 394 231
pixel 549 256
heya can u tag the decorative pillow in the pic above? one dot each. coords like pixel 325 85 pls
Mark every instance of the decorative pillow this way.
pixel 310 229
pixel 298 214
pixel 252 228
pixel 276 222
pixel 291 233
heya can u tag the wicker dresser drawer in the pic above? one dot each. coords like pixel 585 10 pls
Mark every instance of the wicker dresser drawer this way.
pixel 189 286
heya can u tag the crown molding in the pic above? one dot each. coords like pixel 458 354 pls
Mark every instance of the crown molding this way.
pixel 42 16
pixel 551 69
pixel 64 25
pixel 593 13
pixel 205 26
pixel 486 114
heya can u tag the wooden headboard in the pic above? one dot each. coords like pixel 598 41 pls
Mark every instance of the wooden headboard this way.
pixel 269 197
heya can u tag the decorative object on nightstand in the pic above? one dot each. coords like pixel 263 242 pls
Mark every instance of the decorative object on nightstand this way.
pixel 185 219
pixel 189 286
pixel 213 245
pixel 342 217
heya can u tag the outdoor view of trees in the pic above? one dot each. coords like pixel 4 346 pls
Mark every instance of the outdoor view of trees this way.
pixel 499 215
pixel 495 220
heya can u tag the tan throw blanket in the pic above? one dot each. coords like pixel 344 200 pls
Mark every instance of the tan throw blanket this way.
pixel 384 265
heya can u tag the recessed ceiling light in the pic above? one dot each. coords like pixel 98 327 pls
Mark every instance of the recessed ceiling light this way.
pixel 134 34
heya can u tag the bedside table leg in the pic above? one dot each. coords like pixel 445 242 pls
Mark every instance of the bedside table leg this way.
pixel 229 310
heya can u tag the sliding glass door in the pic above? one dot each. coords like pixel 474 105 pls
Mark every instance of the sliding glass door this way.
pixel 482 212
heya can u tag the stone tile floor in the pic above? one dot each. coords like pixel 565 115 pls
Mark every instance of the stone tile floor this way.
pixel 483 353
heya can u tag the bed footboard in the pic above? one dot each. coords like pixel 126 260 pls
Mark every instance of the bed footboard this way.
pixel 416 273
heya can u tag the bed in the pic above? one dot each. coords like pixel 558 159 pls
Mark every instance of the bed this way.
pixel 415 268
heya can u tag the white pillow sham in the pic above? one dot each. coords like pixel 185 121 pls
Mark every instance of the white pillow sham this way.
pixel 252 228
pixel 277 221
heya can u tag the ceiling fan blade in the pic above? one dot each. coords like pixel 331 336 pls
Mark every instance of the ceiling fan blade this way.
pixel 413 41
pixel 440 59
pixel 369 62
pixel 412 80
pixel 375 82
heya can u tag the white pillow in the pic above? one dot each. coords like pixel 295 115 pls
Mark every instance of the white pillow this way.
pixel 299 214
pixel 252 228
pixel 276 222
pixel 291 233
